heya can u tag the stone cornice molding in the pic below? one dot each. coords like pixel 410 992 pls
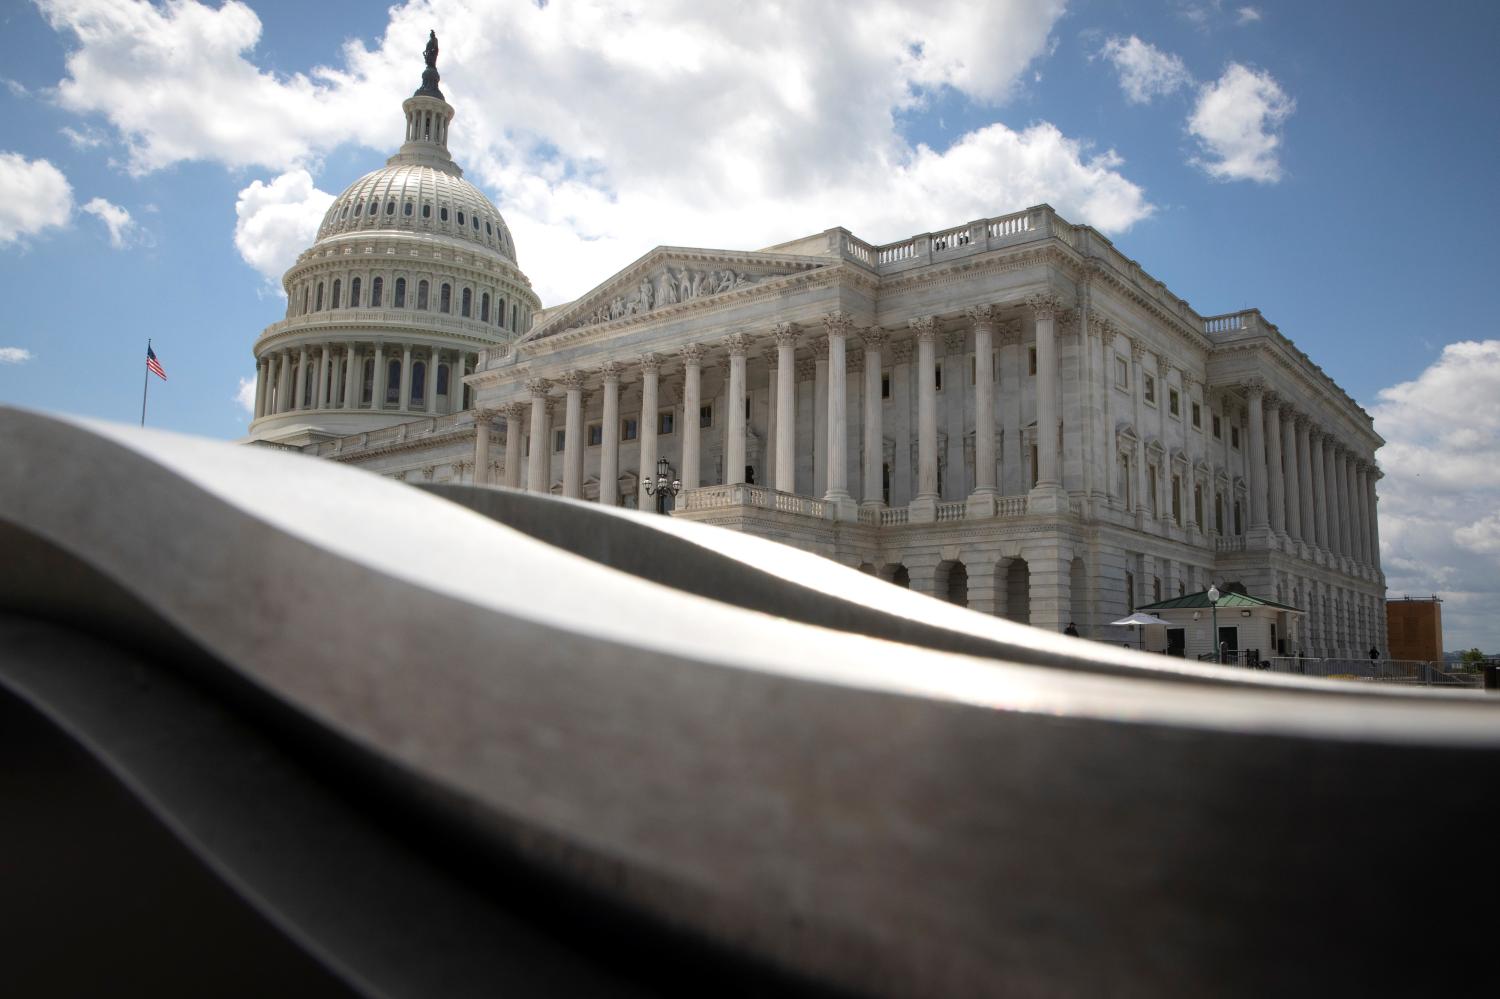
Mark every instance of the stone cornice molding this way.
pixel 785 334
pixel 924 327
pixel 538 387
pixel 838 324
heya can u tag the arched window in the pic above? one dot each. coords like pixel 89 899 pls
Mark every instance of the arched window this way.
pixel 443 214
pixel 466 303
pixel 390 208
pixel 357 209
pixel 393 382
pixel 345 213
pixel 376 287
pixel 499 312
pixel 476 223
pixel 487 230
pixel 305 293
pixel 460 218
pixel 367 382
pixel 445 302
pixel 418 382
pixel 427 211
pixel 442 385
pixel 484 307
pixel 337 290
pixel 407 210
pixel 374 207
pixel 400 301
pixel 318 306
pixel 354 290
pixel 422 294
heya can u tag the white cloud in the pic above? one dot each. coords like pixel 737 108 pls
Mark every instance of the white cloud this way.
pixel 1237 122
pixel 244 396
pixel 610 128
pixel 34 195
pixel 1146 72
pixel 122 228
pixel 1248 15
pixel 15 355
pixel 276 221
pixel 1440 498
pixel 87 137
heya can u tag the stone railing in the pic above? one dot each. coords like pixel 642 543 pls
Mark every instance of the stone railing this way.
pixel 417 429
pixel 1233 543
pixel 743 494
pixel 894 515
pixel 1232 322
pixel 1010 506
pixel 952 511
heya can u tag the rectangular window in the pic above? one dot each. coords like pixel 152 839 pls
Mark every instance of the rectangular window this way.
pixel 747 409
pixel 937 376
pixel 973 370
pixel 629 429
pixel 1174 402
pixel 1122 372
pixel 885 386
pixel 1218 428
pixel 596 434
pixel 1177 500
pixel 1198 505
pixel 664 422
pixel 1031 361
pixel 1234 437
pixel 1197 417
pixel 1156 588
pixel 706 415
pixel 1148 389
pixel 1151 489
pixel 560 440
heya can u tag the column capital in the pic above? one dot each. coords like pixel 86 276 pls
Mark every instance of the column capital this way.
pixel 924 327
pixel 901 352
pixel 838 323
pixel 785 334
pixel 738 344
pixel 1137 351
pixel 514 412
pixel 538 387
pixel 610 371
pixel 1254 386
pixel 572 381
pixel 1189 381
pixel 692 353
pixel 1100 328
pixel 1272 400
pixel 651 363
pixel 1045 305
pixel 982 315
pixel 483 416
pixel 1302 421
pixel 874 338
pixel 1067 324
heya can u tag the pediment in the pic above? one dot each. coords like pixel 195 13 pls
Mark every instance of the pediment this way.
pixel 670 279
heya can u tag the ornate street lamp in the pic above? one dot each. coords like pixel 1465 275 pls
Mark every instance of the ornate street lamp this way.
pixel 1213 599
pixel 663 486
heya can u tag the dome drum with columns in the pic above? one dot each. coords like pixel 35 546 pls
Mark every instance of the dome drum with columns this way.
pixel 413 273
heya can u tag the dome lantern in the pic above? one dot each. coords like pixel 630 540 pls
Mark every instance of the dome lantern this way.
pixel 428 116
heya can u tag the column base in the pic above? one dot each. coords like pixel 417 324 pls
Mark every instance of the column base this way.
pixel 981 504
pixel 922 510
pixel 840 506
pixel 1047 500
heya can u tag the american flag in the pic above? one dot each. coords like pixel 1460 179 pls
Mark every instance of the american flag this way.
pixel 153 365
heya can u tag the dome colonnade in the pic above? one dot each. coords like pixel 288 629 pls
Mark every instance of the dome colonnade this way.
pixel 412 274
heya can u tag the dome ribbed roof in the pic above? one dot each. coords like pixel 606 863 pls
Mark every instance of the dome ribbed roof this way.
pixel 418 198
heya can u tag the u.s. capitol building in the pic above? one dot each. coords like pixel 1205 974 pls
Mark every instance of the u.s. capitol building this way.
pixel 1008 413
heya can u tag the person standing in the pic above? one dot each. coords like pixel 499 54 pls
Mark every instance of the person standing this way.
pixel 1071 629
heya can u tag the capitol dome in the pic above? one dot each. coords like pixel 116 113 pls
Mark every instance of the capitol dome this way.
pixel 413 273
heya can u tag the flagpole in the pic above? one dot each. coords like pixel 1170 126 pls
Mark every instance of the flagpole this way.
pixel 146 386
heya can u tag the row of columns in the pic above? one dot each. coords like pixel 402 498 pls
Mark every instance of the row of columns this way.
pixel 1307 485
pixel 277 390
pixel 831 363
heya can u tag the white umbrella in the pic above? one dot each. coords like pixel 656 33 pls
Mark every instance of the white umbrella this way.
pixel 1139 620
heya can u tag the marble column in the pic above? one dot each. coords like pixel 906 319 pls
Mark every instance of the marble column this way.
pixel 734 442
pixel 536 468
pixel 572 383
pixel 786 408
pixel 1306 517
pixel 1319 489
pixel 1045 308
pixel 769 353
pixel 515 417
pixel 609 451
pixel 1340 493
pixel 981 501
pixel 1291 479
pixel 262 376
pixel 924 505
pixel 874 457
pixel 692 401
pixel 1255 390
pixel 1373 502
pixel 299 399
pixel 482 421
pixel 1275 483
pixel 405 398
pixel 380 379
pixel 320 394
pixel 456 383
pixel 1331 494
pixel 351 376
pixel 429 391
pixel 650 375
pixel 838 325
pixel 1351 507
pixel 819 347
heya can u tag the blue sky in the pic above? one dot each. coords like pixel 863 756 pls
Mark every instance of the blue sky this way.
pixel 1331 164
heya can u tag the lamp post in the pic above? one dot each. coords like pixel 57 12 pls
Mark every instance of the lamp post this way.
pixel 1213 600
pixel 663 486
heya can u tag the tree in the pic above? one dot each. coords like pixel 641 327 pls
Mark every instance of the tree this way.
pixel 1470 658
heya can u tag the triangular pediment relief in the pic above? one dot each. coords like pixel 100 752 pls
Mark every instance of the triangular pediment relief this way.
pixel 671 278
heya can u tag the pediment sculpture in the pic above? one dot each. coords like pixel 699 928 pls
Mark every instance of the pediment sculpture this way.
pixel 669 286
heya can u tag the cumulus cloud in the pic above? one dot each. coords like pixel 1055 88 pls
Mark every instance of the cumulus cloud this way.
pixel 276 221
pixel 34 195
pixel 122 228
pixel 14 355
pixel 1237 122
pixel 1145 71
pixel 244 396
pixel 1440 498
pixel 1247 15
pixel 610 128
